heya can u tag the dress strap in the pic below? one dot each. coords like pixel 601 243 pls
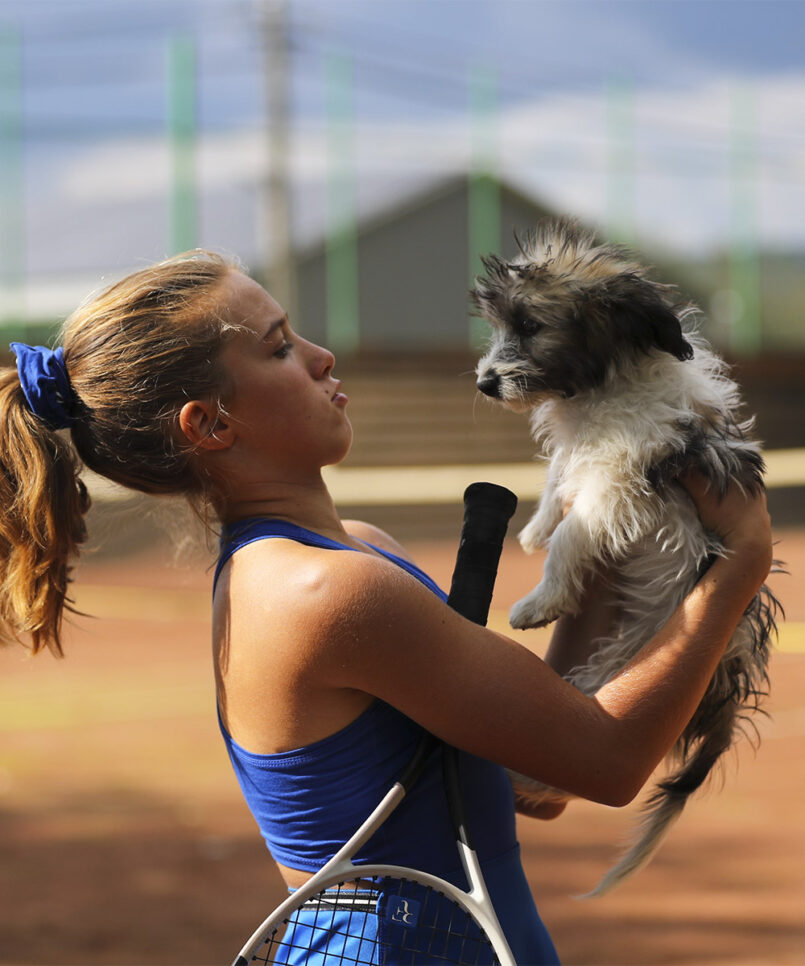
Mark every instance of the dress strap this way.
pixel 243 532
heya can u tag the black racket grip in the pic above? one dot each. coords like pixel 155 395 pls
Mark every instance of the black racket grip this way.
pixel 487 511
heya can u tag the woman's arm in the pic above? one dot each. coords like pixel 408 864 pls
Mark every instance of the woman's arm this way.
pixel 572 643
pixel 574 635
pixel 368 627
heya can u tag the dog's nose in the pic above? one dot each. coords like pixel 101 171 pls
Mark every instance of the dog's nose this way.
pixel 489 384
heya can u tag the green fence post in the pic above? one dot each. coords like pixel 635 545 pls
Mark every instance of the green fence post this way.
pixel 620 202
pixel 483 186
pixel 182 126
pixel 341 250
pixel 12 180
pixel 746 324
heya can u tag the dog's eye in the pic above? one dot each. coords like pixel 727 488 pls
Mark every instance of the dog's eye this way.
pixel 524 323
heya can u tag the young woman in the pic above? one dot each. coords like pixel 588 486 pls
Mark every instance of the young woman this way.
pixel 332 650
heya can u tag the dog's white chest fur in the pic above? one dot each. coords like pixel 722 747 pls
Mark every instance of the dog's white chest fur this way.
pixel 600 503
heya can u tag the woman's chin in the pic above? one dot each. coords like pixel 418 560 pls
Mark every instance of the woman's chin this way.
pixel 340 456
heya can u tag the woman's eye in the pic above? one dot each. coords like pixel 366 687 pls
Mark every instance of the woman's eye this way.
pixel 283 350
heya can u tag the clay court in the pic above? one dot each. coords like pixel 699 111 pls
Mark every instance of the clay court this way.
pixel 123 838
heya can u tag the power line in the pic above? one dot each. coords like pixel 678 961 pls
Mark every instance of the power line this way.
pixel 60 32
pixel 378 75
pixel 429 76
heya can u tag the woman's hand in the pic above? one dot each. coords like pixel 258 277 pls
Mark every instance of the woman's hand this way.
pixel 740 518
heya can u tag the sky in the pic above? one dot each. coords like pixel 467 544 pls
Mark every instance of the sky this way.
pixel 684 120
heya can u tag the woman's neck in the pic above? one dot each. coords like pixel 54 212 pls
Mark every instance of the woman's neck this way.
pixel 308 504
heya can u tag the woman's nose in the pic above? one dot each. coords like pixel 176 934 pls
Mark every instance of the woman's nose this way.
pixel 322 361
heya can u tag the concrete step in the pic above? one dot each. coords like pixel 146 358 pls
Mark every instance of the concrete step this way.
pixel 409 411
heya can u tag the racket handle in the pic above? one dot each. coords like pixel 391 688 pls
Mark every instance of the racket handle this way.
pixel 487 511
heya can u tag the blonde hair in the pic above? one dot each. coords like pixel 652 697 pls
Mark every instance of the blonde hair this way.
pixel 134 355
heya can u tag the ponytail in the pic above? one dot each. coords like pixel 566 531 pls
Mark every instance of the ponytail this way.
pixel 42 507
pixel 129 359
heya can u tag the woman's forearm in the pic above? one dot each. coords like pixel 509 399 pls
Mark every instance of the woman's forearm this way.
pixel 574 635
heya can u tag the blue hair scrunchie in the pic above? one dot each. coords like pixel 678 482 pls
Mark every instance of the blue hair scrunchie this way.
pixel 45 382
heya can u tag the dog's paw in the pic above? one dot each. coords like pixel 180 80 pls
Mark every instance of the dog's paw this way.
pixel 534 611
pixel 529 790
pixel 536 532
pixel 535 799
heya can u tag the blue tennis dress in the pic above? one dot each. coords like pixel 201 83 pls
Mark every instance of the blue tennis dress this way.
pixel 307 802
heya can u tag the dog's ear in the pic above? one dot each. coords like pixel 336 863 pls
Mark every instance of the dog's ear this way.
pixel 641 316
pixel 488 290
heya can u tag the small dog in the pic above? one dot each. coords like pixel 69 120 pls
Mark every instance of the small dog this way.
pixel 623 394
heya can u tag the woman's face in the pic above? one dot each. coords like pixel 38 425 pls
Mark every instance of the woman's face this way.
pixel 287 409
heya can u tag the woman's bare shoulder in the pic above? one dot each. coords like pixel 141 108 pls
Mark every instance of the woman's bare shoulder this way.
pixel 267 572
pixel 281 589
pixel 276 610
pixel 374 535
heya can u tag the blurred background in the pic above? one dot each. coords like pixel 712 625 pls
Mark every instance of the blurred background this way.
pixel 358 157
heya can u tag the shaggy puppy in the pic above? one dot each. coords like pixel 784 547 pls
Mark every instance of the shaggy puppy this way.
pixel 622 395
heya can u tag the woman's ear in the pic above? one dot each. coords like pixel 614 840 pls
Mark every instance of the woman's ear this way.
pixel 204 427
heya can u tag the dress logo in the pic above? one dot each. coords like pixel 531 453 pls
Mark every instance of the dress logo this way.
pixel 405 912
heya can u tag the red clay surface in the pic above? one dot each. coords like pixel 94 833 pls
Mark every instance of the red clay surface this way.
pixel 123 838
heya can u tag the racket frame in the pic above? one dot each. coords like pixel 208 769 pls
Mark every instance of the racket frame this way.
pixel 340 868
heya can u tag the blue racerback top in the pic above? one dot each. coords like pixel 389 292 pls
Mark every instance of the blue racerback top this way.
pixel 308 801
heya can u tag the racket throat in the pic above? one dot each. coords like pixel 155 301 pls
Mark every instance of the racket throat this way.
pixel 469 863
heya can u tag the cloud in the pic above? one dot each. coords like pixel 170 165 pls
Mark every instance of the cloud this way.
pixel 682 163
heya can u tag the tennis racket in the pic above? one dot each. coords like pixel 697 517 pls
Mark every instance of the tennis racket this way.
pixel 393 915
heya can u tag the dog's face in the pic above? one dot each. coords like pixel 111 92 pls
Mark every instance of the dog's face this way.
pixel 565 314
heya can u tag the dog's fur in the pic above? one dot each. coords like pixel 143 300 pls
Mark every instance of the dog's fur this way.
pixel 623 394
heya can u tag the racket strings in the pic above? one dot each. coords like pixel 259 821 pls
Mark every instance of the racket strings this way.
pixel 381 922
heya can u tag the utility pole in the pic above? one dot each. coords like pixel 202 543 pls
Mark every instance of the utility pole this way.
pixel 277 242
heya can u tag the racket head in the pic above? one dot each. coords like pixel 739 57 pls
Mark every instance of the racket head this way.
pixel 406 918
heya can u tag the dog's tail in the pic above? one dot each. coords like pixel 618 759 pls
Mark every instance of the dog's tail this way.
pixel 735 691
pixel 665 805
